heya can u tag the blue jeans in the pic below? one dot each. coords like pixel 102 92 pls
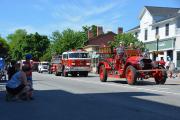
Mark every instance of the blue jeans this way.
pixel 29 79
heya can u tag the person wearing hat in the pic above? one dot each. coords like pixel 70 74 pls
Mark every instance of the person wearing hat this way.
pixel 131 46
pixel 29 76
pixel 120 53
pixel 120 49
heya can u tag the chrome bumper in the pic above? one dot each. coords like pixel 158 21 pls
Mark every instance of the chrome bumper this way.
pixel 77 69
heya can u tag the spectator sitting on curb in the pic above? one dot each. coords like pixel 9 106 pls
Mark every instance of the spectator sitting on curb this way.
pixel 18 85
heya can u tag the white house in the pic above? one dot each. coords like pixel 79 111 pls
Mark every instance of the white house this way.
pixel 159 29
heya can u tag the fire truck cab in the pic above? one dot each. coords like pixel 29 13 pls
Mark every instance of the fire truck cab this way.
pixel 75 62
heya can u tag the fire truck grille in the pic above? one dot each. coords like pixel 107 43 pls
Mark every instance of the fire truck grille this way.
pixel 147 64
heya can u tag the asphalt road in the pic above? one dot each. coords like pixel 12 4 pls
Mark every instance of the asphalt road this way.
pixel 86 98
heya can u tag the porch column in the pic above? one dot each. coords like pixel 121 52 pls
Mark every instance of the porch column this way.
pixel 151 56
pixel 175 57
pixel 165 56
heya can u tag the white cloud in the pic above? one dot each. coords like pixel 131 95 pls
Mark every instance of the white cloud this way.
pixel 73 12
pixel 76 14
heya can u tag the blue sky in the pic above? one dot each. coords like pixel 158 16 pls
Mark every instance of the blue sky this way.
pixel 46 16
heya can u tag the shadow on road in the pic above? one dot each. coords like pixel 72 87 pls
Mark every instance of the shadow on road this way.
pixel 62 105
pixel 139 82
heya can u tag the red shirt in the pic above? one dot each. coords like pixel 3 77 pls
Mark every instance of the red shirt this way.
pixel 162 62
pixel 28 63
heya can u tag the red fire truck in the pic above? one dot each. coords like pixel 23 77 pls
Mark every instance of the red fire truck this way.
pixel 55 65
pixel 75 62
pixel 132 65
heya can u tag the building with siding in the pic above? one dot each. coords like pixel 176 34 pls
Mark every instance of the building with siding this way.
pixel 159 29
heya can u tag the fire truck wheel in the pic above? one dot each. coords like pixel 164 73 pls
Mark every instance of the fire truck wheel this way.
pixel 85 74
pixel 74 74
pixel 65 74
pixel 57 74
pixel 161 77
pixel 103 73
pixel 131 75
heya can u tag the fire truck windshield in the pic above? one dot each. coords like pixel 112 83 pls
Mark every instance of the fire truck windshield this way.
pixel 78 55
pixel 45 63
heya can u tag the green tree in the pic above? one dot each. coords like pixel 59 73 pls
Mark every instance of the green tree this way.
pixel 22 43
pixel 48 54
pixel 55 39
pixel 67 40
pixel 35 44
pixel 93 28
pixel 15 40
pixel 85 30
pixel 4 48
pixel 126 39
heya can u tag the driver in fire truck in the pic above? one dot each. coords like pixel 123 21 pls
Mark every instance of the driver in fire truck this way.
pixel 120 52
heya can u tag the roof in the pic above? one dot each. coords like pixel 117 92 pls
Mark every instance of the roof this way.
pixel 134 28
pixel 169 17
pixel 162 13
pixel 166 11
pixel 102 39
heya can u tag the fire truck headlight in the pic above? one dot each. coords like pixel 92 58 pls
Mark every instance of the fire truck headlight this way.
pixel 73 64
pixel 87 63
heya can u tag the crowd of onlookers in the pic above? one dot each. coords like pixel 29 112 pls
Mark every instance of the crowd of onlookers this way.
pixel 19 85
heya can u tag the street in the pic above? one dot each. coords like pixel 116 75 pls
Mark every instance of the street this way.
pixel 86 98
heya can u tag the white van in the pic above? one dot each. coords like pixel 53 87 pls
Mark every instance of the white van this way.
pixel 43 67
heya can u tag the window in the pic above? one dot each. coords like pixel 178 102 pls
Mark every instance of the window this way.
pixel 145 34
pixel 157 31
pixel 136 34
pixel 65 56
pixel 78 55
pixel 167 30
pixel 45 63
pixel 178 59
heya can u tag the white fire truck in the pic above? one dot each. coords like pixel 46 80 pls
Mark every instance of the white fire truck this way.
pixel 75 62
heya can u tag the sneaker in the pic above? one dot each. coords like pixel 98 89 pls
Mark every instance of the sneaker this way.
pixel 31 98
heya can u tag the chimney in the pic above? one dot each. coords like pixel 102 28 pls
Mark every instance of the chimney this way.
pixel 99 30
pixel 120 30
pixel 90 34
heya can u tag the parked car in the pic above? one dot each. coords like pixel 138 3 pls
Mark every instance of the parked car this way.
pixel 43 67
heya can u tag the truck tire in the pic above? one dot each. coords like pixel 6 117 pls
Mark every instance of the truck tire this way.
pixel 161 77
pixel 131 75
pixel 103 73
pixel 64 73
pixel 85 74
pixel 74 74
pixel 57 74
